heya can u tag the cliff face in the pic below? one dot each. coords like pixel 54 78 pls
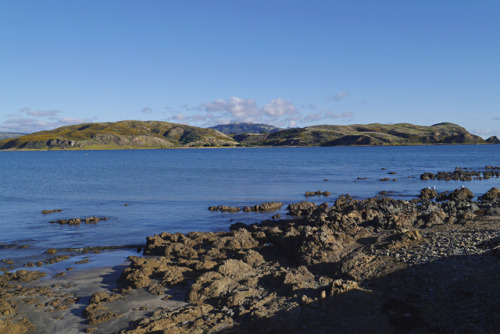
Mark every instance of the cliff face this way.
pixel 124 134
pixel 366 135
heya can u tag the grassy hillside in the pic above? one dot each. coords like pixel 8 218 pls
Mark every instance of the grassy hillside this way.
pixel 369 134
pixel 119 135
pixel 155 134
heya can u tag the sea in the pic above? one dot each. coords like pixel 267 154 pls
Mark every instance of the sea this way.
pixel 147 192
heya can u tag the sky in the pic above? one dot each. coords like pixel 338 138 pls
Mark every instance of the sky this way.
pixel 284 63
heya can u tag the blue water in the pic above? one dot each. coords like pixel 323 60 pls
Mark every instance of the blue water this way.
pixel 170 190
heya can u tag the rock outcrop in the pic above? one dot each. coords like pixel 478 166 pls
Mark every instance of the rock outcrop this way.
pixel 354 266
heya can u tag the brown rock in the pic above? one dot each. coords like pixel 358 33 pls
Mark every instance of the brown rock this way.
pixel 45 212
pixel 427 193
pixel 253 258
pixel 27 275
pixel 461 195
pixel 491 195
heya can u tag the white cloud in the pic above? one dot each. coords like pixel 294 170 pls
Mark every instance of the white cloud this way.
pixel 279 107
pixel 339 96
pixel 278 112
pixel 236 109
pixel 147 110
pixel 179 117
pixel 240 109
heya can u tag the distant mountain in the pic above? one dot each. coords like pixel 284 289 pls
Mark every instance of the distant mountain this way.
pixel 364 135
pixel 118 135
pixel 240 128
pixel 6 135
pixel 493 140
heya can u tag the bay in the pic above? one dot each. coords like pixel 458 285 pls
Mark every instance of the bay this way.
pixel 143 192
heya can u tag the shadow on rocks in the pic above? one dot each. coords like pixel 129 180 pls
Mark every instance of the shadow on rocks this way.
pixel 457 294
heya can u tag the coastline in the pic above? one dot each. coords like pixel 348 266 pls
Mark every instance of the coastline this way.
pixel 377 265
pixel 121 148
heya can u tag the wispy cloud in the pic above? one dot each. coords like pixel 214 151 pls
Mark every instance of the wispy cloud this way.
pixel 338 96
pixel 38 120
pixel 485 133
pixel 146 110
pixel 30 125
pixel 309 106
pixel 325 115
pixel 40 113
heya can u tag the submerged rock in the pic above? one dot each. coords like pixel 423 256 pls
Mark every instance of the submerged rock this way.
pixel 78 221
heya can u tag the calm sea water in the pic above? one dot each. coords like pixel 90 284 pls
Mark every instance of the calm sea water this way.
pixel 170 190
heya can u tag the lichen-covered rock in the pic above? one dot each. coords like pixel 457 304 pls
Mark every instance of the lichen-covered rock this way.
pixel 427 193
pixel 491 195
pixel 264 207
pixel 462 194
pixel 301 208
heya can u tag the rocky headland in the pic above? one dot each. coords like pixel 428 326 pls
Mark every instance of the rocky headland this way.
pixel 378 265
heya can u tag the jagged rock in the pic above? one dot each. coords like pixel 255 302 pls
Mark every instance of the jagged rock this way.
pixel 278 275
pixel 427 193
pixel 27 275
pixel 317 193
pixel 491 195
pixel 302 208
pixel 263 207
pixel 253 258
pixel 224 208
pixel 461 195
pixel 340 286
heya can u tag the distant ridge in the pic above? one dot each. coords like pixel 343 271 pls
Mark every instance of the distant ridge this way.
pixel 7 135
pixel 156 134
pixel 365 135
pixel 240 128
pixel 120 135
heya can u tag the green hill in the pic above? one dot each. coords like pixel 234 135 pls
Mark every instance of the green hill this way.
pixel 155 134
pixel 368 135
pixel 120 135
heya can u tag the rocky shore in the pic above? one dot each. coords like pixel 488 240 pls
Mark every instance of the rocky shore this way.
pixel 378 265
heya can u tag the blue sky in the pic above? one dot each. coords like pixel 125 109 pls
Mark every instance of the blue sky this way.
pixel 286 63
